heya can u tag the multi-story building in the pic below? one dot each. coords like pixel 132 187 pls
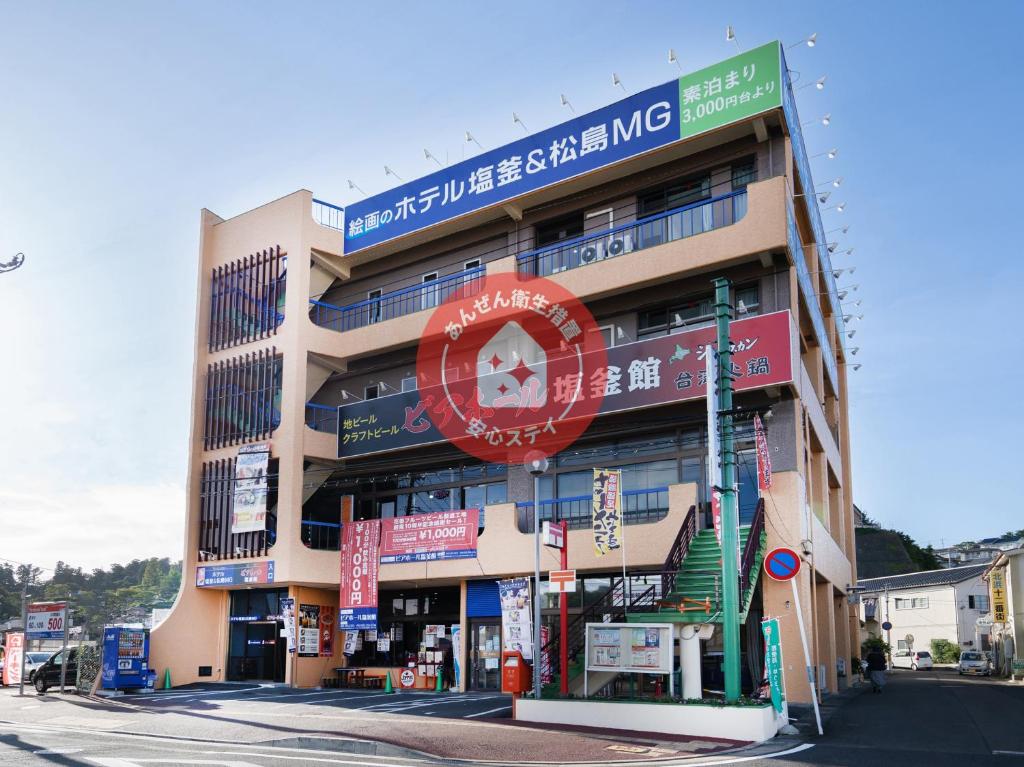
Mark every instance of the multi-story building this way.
pixel 933 604
pixel 308 324
pixel 1002 629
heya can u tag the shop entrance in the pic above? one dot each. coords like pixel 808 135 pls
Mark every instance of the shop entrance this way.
pixel 485 655
pixel 256 650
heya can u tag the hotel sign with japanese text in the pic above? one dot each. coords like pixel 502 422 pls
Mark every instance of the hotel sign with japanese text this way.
pixel 732 90
pixel 638 375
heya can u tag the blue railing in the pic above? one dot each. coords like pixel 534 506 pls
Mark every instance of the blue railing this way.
pixel 803 277
pixel 638 506
pixel 322 417
pixel 326 536
pixel 803 167
pixel 326 214
pixel 395 304
pixel 676 224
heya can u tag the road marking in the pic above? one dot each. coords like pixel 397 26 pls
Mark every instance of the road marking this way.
pixel 108 762
pixel 302 758
pixel 485 713
pixel 34 705
pixel 56 751
pixel 1009 753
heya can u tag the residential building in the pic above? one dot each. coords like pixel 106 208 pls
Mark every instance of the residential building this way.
pixel 308 324
pixel 977 552
pixel 1003 627
pixel 922 606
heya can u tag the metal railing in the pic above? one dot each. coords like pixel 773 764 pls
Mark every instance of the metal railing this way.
pixel 680 548
pixel 638 507
pixel 329 215
pixel 322 417
pixel 676 224
pixel 748 573
pixel 398 303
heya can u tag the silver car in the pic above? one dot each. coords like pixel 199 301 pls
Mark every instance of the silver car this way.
pixel 974 663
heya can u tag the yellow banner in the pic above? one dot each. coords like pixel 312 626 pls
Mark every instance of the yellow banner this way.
pixel 997 585
pixel 607 510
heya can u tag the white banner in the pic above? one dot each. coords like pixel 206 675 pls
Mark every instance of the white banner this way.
pixel 249 512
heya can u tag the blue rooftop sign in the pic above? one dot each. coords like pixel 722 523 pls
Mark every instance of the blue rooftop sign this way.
pixel 732 90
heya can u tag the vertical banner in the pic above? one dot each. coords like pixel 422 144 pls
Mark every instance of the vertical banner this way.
pixel 714 454
pixel 309 631
pixel 457 652
pixel 764 460
pixel 347 505
pixel 545 656
pixel 607 510
pixel 516 622
pixel 249 512
pixel 12 658
pixel 288 616
pixel 328 620
pixel 773 660
pixel 997 585
pixel 360 565
pixel 351 643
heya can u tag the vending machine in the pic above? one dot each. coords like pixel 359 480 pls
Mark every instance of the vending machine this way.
pixel 125 658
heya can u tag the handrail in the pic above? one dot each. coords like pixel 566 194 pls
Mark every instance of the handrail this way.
pixel 751 547
pixel 680 548
pixel 328 214
pixel 537 256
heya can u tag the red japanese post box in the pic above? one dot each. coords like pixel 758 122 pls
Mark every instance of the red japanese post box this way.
pixel 516 674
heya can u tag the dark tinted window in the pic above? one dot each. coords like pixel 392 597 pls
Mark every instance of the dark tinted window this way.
pixel 675 195
pixel 559 229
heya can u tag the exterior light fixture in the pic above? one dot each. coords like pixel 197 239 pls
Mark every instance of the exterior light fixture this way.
pixel 857 366
pixel 471 139
pixel 352 185
pixel 851 333
pixel 812 40
pixel 851 317
pixel 673 59
pixel 827 120
pixel 616 82
pixel 832 247
pixel 837 182
pixel 730 35
pixel 820 83
pixel 427 155
pixel 565 103
pixel 823 197
pixel 831 154
pixel 389 172
pixel 854 350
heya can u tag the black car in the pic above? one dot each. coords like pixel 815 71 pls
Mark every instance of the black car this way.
pixel 48 675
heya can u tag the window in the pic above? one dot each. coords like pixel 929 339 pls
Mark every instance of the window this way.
pixel 675 195
pixel 747 300
pixel 371 392
pixel 978 602
pixel 743 173
pixel 913 603
pixel 473 263
pixel 373 310
pixel 409 383
pixel 429 294
pixel 661 322
pixel 607 335
pixel 560 229
pixel 901 644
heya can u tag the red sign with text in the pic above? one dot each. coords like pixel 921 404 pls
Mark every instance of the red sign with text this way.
pixel 429 537
pixel 359 572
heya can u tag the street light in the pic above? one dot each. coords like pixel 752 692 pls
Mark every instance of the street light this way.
pixel 536 463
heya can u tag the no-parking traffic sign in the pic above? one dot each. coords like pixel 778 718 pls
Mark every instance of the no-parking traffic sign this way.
pixel 781 564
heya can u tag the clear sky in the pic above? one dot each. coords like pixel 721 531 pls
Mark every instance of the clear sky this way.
pixel 120 121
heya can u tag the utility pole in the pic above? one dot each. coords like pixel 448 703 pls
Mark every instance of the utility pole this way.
pixel 888 631
pixel 24 635
pixel 730 513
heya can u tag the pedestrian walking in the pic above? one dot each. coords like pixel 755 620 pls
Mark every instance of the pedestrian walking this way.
pixel 876 669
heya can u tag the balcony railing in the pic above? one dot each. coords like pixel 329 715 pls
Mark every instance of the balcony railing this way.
pixel 326 214
pixel 395 304
pixel 638 507
pixel 322 417
pixel 672 225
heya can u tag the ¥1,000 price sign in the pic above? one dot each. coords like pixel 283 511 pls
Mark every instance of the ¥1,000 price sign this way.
pixel 46 620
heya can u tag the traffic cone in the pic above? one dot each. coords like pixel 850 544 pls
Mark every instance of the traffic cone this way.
pixel 387 683
pixel 167 679
pixel 439 687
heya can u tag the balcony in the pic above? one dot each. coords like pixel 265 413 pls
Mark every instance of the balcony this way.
pixel 322 418
pixel 638 507
pixel 329 215
pixel 676 224
pixel 398 303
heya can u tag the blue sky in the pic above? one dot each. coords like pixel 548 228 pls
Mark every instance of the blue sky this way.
pixel 120 121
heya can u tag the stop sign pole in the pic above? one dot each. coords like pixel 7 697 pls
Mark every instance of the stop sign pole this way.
pixel 783 564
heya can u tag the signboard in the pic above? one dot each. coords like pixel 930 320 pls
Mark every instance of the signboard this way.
pixel 607 508
pixel 249 511
pixel 457 652
pixel 732 90
pixel 714 453
pixel 773 661
pixel 360 567
pixel 997 586
pixel 781 564
pixel 46 620
pixel 551 534
pixel 407 678
pixel 561 581
pixel 886 626
pixel 429 537
pixel 248 573
pixel 642 374
pixel 309 631
pixel 351 642
pixel 328 620
pixel 516 622
pixel 12 658
pixel 288 618
pixel 630 647
pixel 764 460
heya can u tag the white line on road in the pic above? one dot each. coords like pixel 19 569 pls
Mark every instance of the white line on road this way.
pixel 304 758
pixel 492 711
pixel 1009 753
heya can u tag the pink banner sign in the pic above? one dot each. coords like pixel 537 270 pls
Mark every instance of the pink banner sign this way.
pixel 428 537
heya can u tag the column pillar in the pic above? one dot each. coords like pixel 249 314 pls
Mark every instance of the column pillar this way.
pixel 689 660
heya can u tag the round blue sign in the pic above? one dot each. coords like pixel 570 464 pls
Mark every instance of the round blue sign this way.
pixel 781 564
pixel 886 626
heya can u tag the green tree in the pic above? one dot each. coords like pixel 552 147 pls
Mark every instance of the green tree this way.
pixel 944 651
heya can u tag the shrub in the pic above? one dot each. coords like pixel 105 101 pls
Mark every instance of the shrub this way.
pixel 944 651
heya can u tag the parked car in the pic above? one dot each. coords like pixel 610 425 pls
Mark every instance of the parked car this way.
pixel 48 674
pixel 912 659
pixel 974 663
pixel 33 660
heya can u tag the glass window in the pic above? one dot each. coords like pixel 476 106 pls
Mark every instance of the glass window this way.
pixel 409 383
pixel 675 195
pixel 497 492
pixel 371 392
pixel 560 229
pixel 743 173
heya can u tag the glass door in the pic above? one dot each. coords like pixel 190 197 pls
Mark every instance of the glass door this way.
pixel 485 656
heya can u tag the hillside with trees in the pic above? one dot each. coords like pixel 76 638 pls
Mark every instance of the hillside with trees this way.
pixel 120 594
